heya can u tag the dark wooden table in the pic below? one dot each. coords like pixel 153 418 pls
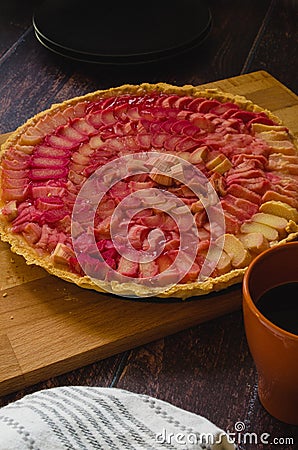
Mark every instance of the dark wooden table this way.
pixel 206 369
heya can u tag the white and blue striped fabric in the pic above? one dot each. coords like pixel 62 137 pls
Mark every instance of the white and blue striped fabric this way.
pixel 88 418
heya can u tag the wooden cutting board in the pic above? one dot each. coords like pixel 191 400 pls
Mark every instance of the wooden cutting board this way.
pixel 49 327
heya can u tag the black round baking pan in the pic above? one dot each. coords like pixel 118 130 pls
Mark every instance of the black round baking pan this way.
pixel 121 32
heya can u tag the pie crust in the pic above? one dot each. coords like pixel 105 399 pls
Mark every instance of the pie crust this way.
pixel 268 170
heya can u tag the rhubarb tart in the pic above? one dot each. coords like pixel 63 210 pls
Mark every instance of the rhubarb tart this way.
pixel 149 190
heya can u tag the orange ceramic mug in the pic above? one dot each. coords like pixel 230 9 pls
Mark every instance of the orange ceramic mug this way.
pixel 274 350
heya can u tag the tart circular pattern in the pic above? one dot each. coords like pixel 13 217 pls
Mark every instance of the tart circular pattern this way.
pixel 247 157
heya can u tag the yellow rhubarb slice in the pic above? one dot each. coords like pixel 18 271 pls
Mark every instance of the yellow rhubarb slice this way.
pixel 254 242
pixel 239 255
pixel 280 209
pixel 276 222
pixel 254 227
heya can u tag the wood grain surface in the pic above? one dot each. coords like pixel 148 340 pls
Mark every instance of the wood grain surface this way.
pixel 206 369
pixel 40 308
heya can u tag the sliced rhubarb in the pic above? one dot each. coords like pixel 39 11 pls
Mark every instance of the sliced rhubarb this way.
pixel 148 270
pixel 13 183
pixel 178 126
pixel 10 210
pixel 42 162
pixel 128 268
pixel 18 194
pixel 69 132
pixel 62 254
pixel 15 165
pixel 182 103
pixel 242 192
pixel 48 203
pixel 207 105
pixel 187 144
pixel 136 235
pixel 61 142
pixel 51 152
pixel 32 232
pixel 48 173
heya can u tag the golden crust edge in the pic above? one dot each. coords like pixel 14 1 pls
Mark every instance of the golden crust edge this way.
pixel 183 291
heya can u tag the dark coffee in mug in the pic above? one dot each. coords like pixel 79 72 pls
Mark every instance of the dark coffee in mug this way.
pixel 280 306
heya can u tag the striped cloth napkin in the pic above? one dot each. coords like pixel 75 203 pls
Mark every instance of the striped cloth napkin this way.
pixel 77 418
